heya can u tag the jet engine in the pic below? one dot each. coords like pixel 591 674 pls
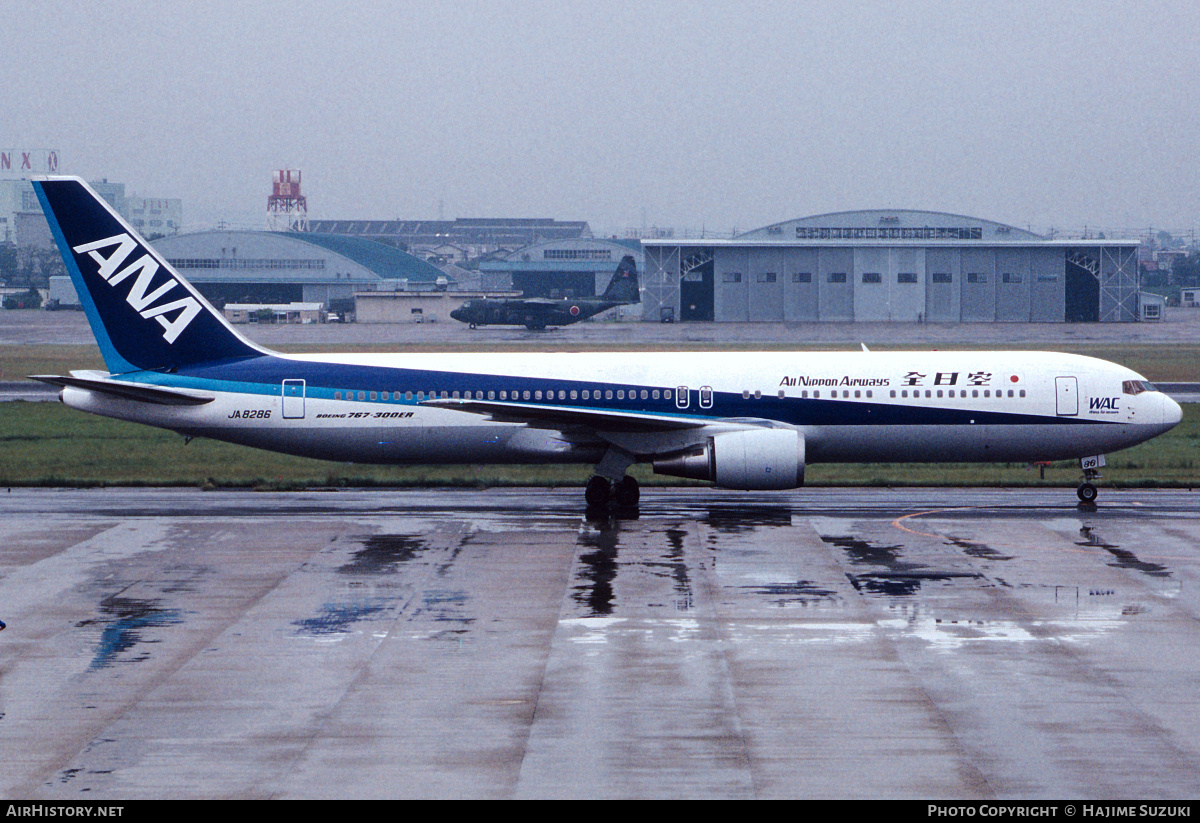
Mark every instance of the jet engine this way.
pixel 750 459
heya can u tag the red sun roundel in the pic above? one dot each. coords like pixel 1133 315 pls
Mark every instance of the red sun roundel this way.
pixel 574 311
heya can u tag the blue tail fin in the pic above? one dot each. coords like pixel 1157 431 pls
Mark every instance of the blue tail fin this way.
pixel 144 315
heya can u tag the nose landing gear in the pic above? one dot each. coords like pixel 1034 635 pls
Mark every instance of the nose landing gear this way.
pixel 1091 471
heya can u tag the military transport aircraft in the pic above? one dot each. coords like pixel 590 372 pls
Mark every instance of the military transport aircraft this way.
pixel 540 312
pixel 742 420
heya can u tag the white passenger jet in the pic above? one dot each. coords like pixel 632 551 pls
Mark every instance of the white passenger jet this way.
pixel 742 420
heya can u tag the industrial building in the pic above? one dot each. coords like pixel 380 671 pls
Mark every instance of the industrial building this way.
pixel 563 268
pixel 287 267
pixel 891 265
pixel 457 240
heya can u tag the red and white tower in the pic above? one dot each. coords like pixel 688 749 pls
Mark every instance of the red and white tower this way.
pixel 287 210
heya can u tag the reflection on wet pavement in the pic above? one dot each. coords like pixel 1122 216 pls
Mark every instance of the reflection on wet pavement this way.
pixel 125 621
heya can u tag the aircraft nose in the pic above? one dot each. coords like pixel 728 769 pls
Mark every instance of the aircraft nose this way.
pixel 1172 411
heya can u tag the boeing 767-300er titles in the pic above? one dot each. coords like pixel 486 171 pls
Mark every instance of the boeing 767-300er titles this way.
pixel 743 420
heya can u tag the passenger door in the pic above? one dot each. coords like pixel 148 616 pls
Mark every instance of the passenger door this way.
pixel 1067 393
pixel 293 399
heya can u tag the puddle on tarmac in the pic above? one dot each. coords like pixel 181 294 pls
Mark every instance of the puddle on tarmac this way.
pixel 898 578
pixel 1125 558
pixel 903 583
pixel 978 550
pixel 383 553
pixel 125 619
pixel 600 564
pixel 804 592
pixel 337 618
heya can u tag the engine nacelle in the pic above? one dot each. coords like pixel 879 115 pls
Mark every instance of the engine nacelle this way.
pixel 751 459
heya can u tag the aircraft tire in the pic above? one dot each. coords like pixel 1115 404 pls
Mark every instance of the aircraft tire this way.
pixel 627 492
pixel 598 491
pixel 1087 493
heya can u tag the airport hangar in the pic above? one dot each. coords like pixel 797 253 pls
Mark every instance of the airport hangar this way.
pixel 890 265
pixel 287 267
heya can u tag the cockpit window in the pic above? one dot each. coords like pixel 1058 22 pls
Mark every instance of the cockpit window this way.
pixel 1137 386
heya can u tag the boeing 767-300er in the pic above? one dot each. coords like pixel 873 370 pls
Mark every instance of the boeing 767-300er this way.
pixel 742 420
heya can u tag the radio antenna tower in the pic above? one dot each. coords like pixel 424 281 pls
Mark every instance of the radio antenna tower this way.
pixel 287 210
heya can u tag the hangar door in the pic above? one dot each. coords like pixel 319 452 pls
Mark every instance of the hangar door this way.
pixel 696 287
pixel 1083 288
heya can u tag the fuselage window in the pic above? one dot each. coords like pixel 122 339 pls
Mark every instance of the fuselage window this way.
pixel 952 392
pixel 666 394
pixel 869 395
pixel 757 394
pixel 987 393
pixel 654 394
pixel 1022 393
pixel 745 394
pixel 805 393
pixel 420 395
pixel 525 395
pixel 574 394
pixel 939 394
pixel 443 395
pixel 608 394
pixel 1010 392
pixel 817 395
pixel 455 395
pixel 781 394
pixel 928 393
pixel 644 394
pixel 974 392
pixel 385 396
pixel 408 395
pixel 587 395
pixel 620 394
pixel 537 395
pixel 902 394
pixel 337 395
pixel 857 393
pixel 362 395
pixel 374 396
pixel 892 393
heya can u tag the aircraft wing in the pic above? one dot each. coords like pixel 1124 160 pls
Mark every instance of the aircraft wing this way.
pixel 141 392
pixel 559 417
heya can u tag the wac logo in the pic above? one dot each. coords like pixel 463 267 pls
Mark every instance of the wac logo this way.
pixel 1102 403
pixel 173 316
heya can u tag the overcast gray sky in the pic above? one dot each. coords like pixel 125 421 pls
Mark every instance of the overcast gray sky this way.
pixel 672 113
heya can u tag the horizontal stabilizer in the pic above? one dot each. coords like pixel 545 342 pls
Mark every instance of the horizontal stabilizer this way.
pixel 128 391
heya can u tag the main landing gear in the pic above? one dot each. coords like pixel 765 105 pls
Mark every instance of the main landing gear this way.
pixel 610 484
pixel 600 491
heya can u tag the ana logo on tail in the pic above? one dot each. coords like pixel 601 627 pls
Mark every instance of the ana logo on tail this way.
pixel 143 301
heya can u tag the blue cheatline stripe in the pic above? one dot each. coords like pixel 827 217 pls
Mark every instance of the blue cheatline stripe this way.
pixel 264 376
pixel 114 362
